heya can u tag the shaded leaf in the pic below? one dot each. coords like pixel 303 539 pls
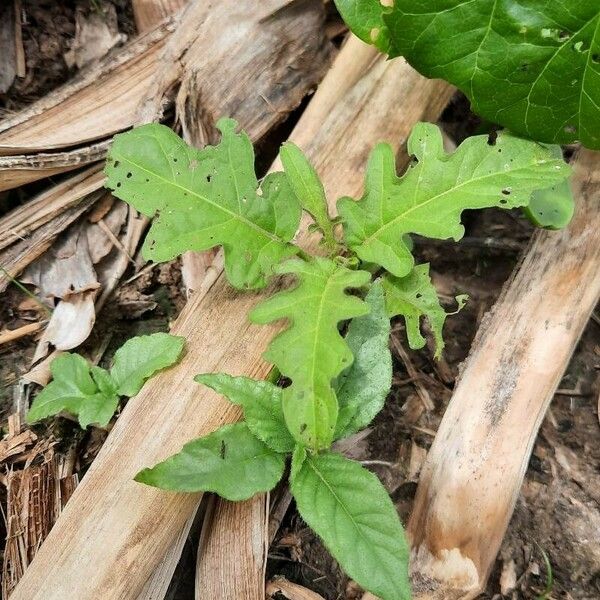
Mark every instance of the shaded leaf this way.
pixel 262 404
pixel 230 462
pixel 350 510
pixel 204 198
pixel 415 297
pixel 429 198
pixel 140 357
pixel 552 207
pixel 364 386
pixel 311 351
pixel 365 19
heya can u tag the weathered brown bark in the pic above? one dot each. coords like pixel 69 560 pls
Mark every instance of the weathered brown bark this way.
pixel 356 106
pixel 149 13
pixel 114 531
pixel 475 468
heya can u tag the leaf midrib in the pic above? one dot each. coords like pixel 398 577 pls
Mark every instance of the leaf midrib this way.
pixel 343 506
pixel 419 206
pixel 234 215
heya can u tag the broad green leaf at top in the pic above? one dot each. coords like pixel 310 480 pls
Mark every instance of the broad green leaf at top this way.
pixel 351 512
pixel 415 297
pixel 363 387
pixel 262 404
pixel 74 390
pixel 140 357
pixel 532 66
pixel 205 198
pixel 365 19
pixel 311 351
pixel 429 198
pixel 230 462
pixel 307 186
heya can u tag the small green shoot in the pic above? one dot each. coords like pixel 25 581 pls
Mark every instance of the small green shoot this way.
pixel 92 393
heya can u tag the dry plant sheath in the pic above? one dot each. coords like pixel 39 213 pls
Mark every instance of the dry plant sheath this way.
pixel 466 497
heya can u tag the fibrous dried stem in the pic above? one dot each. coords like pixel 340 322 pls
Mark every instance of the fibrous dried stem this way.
pixel 474 470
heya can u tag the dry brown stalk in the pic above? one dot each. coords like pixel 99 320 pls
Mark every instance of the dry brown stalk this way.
pixel 466 497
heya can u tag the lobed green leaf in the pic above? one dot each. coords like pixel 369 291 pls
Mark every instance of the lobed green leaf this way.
pixel 429 198
pixel 204 198
pixel 230 462
pixel 307 186
pixel 350 510
pixel 311 351
pixel 414 297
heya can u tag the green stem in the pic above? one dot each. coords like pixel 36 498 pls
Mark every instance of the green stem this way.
pixel 19 285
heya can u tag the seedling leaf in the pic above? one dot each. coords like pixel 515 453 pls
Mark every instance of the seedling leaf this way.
pixel 73 390
pixel 230 462
pixel 311 351
pixel 307 186
pixel 261 401
pixel 140 357
pixel 350 510
pixel 364 386
pixel 204 198
pixel 414 297
pixel 429 198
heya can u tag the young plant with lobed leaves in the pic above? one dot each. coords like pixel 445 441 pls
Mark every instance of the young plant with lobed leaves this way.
pixel 92 393
pixel 203 198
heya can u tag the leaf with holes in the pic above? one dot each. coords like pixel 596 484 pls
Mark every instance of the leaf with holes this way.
pixel 230 462
pixel 350 510
pixel 414 297
pixel 311 351
pixel 262 404
pixel 429 198
pixel 204 198
pixel 533 66
pixel 364 386
pixel 141 357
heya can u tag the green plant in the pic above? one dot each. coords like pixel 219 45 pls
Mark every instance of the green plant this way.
pixel 338 383
pixel 530 65
pixel 92 393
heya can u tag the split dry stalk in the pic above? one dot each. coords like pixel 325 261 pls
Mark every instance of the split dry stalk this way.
pixel 475 468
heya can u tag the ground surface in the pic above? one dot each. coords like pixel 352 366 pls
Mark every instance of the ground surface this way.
pixel 557 517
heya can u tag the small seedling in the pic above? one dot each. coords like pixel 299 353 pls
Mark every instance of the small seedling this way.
pixel 205 198
pixel 92 393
